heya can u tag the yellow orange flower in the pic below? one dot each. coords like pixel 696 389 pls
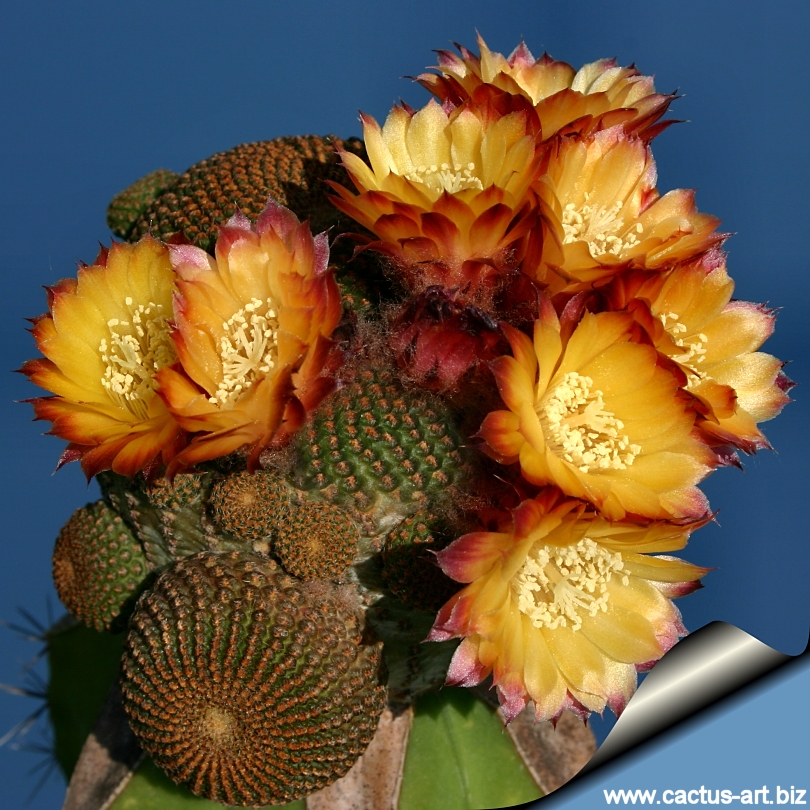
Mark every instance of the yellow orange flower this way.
pixel 104 339
pixel 604 213
pixel 447 194
pixel 597 416
pixel 563 607
pixel 715 341
pixel 252 334
pixel 597 95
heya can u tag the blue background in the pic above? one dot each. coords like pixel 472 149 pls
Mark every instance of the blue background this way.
pixel 95 94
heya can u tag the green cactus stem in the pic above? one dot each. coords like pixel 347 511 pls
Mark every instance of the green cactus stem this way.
pixel 410 571
pixel 168 517
pixel 127 206
pixel 292 170
pixel 381 450
pixel 316 541
pixel 246 685
pixel 249 506
pixel 99 567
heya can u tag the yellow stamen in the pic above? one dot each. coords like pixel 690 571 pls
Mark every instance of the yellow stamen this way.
pixel 249 350
pixel 602 228
pixel 557 585
pixel 694 346
pixel 446 178
pixel 577 426
pixel 136 349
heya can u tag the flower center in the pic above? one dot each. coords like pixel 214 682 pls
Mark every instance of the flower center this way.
pixel 249 350
pixel 694 346
pixel 446 177
pixel 557 585
pixel 577 426
pixel 136 349
pixel 599 227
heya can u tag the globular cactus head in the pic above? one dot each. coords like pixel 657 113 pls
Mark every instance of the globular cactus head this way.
pixel 291 170
pixel 410 570
pixel 99 567
pixel 247 685
pixel 184 490
pixel 248 505
pixel 316 541
pixel 126 207
pixel 381 450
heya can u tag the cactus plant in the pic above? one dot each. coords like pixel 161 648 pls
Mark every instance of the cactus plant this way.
pixel 473 430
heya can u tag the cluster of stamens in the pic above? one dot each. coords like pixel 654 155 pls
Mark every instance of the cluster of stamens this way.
pixel 694 347
pixel 599 227
pixel 446 177
pixel 136 349
pixel 249 350
pixel 579 428
pixel 557 585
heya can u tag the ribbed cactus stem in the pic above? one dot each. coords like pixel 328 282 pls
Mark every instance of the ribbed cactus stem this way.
pixel 99 567
pixel 246 685
pixel 291 170
pixel 381 450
